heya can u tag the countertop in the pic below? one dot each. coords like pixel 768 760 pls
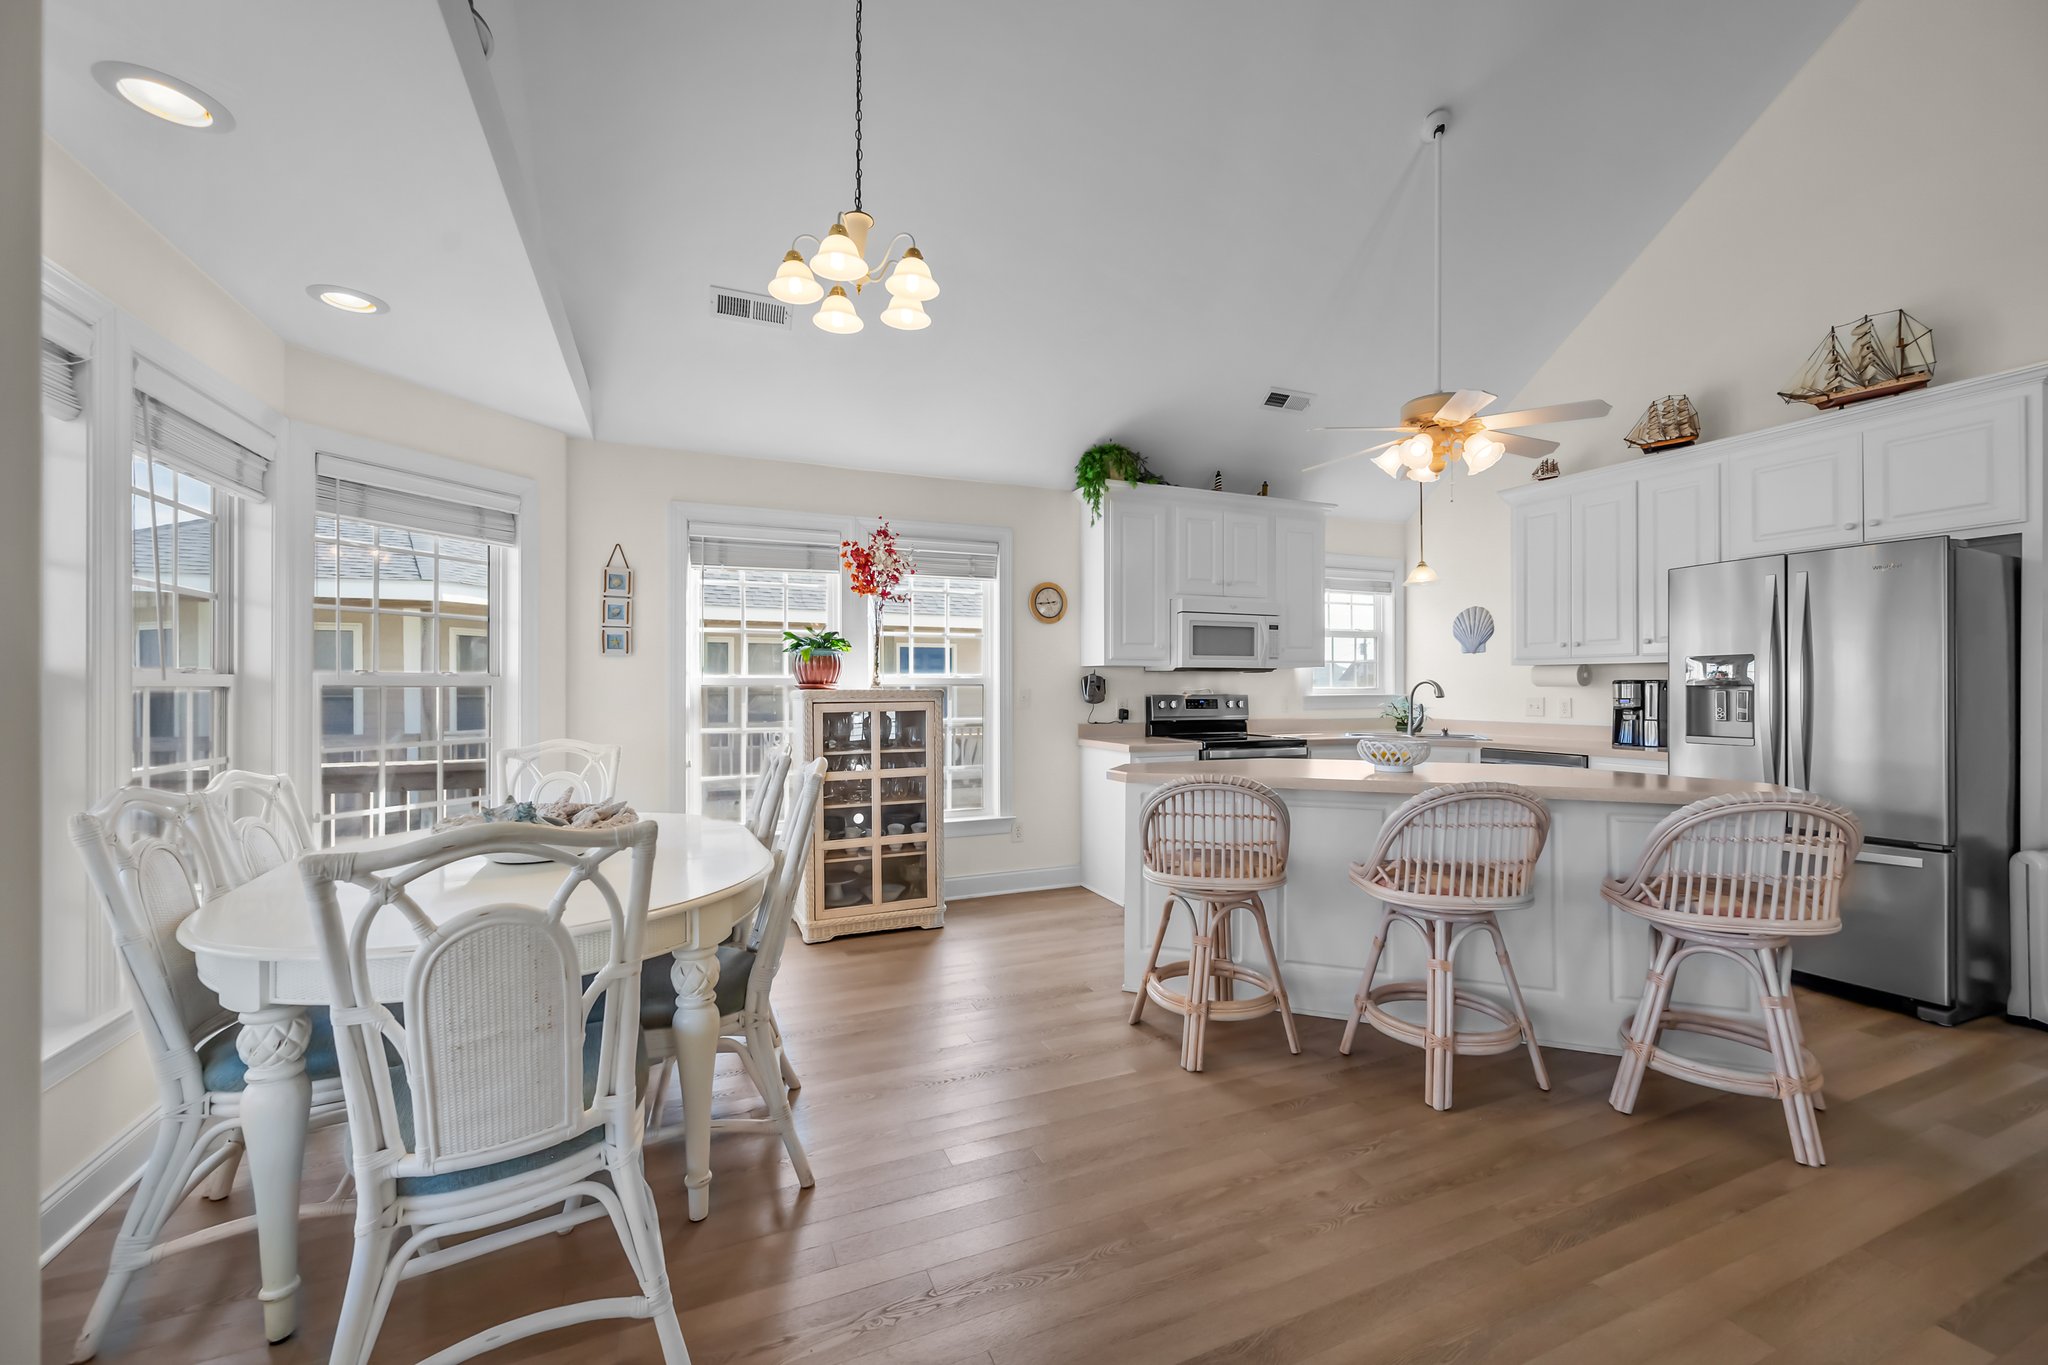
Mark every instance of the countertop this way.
pixel 1592 740
pixel 1349 775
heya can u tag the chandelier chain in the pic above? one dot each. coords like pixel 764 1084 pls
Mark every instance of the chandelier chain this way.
pixel 857 151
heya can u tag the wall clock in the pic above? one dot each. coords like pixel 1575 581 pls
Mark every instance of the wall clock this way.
pixel 1048 602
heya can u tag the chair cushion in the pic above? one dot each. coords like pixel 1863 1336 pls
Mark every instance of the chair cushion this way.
pixel 222 1070
pixel 658 989
pixel 450 1181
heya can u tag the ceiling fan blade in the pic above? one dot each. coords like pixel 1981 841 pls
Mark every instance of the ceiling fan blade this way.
pixel 1404 429
pixel 1518 444
pixel 1556 412
pixel 1462 405
pixel 1352 456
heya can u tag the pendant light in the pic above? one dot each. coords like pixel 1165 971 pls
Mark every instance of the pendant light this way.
pixel 1421 573
pixel 841 255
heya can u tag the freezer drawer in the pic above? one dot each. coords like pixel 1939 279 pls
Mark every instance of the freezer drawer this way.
pixel 1896 935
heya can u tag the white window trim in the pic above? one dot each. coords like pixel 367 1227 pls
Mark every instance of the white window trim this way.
pixel 1396 639
pixel 856 626
pixel 293 493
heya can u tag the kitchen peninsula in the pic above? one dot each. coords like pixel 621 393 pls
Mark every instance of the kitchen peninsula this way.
pixel 1581 964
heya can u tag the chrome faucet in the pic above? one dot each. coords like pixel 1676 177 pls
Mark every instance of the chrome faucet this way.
pixel 1416 712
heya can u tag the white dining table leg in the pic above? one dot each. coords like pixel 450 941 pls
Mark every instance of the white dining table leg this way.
pixel 695 975
pixel 276 1108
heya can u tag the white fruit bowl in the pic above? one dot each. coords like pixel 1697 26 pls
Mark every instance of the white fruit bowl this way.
pixel 1393 753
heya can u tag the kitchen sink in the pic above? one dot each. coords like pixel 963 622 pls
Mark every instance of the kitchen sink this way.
pixel 1439 734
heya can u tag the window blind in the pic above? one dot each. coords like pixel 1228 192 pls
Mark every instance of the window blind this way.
pixel 361 491
pixel 955 558
pixel 763 547
pixel 1358 580
pixel 174 439
pixel 60 382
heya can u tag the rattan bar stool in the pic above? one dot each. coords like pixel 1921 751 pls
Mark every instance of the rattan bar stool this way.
pixel 1446 862
pixel 1213 844
pixel 1741 876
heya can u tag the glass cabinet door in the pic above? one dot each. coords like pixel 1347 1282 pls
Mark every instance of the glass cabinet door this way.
pixel 876 817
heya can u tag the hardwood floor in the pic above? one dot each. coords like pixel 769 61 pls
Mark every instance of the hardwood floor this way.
pixel 1009 1174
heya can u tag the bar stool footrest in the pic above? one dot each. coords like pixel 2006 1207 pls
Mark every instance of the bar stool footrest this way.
pixel 1734 1079
pixel 1465 1042
pixel 1250 1007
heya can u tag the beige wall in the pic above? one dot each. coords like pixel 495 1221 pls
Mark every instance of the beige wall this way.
pixel 1898 168
pixel 21 459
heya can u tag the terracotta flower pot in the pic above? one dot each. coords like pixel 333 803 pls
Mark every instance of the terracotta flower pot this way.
pixel 818 671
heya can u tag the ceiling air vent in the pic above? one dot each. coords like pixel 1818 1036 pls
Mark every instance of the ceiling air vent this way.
pixel 1287 400
pixel 744 307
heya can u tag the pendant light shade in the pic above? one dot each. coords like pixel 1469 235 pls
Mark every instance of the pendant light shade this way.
pixel 836 314
pixel 1389 460
pixel 837 259
pixel 1421 573
pixel 1417 451
pixel 1482 452
pixel 906 314
pixel 912 278
pixel 794 283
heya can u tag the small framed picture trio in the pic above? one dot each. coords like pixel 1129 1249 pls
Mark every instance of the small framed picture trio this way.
pixel 615 604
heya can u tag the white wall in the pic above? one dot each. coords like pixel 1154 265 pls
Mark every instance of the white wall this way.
pixel 21 115
pixel 1940 213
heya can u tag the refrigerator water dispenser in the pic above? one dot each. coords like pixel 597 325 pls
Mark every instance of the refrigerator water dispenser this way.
pixel 1720 698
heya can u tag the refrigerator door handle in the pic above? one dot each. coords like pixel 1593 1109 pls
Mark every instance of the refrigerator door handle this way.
pixel 1799 687
pixel 1768 684
pixel 1890 859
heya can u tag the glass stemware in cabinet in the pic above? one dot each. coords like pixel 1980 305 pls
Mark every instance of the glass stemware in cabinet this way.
pixel 877 854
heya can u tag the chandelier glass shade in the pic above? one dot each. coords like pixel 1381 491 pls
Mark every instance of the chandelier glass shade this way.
pixel 841 255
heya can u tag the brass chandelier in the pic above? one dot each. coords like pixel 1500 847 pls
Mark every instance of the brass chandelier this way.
pixel 841 255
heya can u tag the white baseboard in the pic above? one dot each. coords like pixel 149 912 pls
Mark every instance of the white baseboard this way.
pixel 961 888
pixel 91 1190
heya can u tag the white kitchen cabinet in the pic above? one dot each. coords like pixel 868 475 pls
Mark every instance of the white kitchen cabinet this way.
pixel 1954 466
pixel 1298 569
pixel 1604 572
pixel 1678 523
pixel 1541 562
pixel 1248 568
pixel 1804 492
pixel 1124 567
pixel 1218 552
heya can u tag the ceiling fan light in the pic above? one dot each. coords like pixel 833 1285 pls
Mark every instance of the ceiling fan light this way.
pixel 912 278
pixel 837 259
pixel 1389 461
pixel 1422 473
pixel 1421 573
pixel 1483 452
pixel 794 283
pixel 836 314
pixel 906 314
pixel 1417 450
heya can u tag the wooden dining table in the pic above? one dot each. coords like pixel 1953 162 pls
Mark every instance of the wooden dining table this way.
pixel 255 947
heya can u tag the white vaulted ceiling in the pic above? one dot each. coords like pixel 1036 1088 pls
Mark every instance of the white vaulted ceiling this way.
pixel 1143 213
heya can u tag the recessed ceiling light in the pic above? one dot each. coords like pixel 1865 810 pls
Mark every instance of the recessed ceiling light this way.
pixel 347 300
pixel 164 97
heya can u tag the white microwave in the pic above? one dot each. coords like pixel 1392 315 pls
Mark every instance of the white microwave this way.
pixel 1241 636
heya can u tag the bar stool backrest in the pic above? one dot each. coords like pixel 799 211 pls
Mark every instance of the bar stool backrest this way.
pixel 1221 832
pixel 1464 846
pixel 1747 863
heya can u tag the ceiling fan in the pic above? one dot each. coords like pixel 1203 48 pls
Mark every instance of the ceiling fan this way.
pixel 1438 428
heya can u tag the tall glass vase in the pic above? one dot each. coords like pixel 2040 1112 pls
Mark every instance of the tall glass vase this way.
pixel 875 641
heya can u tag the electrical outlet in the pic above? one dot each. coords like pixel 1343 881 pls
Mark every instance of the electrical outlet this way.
pixel 1017 832
pixel 1533 707
pixel 1564 708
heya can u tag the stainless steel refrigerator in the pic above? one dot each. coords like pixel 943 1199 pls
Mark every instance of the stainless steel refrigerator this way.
pixel 1883 677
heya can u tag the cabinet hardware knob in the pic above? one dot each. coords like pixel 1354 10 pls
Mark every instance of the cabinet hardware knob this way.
pixel 1877 521
pixel 1848 526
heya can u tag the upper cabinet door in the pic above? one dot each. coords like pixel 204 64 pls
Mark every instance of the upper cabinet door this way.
pixel 1199 567
pixel 1800 493
pixel 1298 557
pixel 1603 575
pixel 1958 466
pixel 1248 555
pixel 1137 624
pixel 1678 523
pixel 1542 562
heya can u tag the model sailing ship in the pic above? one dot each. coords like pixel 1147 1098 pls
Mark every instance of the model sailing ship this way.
pixel 1666 423
pixel 1868 358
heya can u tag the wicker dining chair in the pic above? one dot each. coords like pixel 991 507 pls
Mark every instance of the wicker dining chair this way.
pixel 559 770
pixel 1743 877
pixel 257 822
pixel 768 791
pixel 1447 862
pixel 1213 844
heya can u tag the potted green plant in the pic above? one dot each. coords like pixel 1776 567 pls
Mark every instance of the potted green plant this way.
pixel 1105 461
pixel 1397 711
pixel 818 654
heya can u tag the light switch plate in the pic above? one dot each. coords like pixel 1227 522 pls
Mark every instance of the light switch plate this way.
pixel 1533 707
pixel 1564 708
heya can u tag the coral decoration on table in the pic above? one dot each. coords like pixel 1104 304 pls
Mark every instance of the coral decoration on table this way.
pixel 879 569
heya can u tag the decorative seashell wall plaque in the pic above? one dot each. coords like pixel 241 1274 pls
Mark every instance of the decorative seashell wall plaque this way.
pixel 1473 627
